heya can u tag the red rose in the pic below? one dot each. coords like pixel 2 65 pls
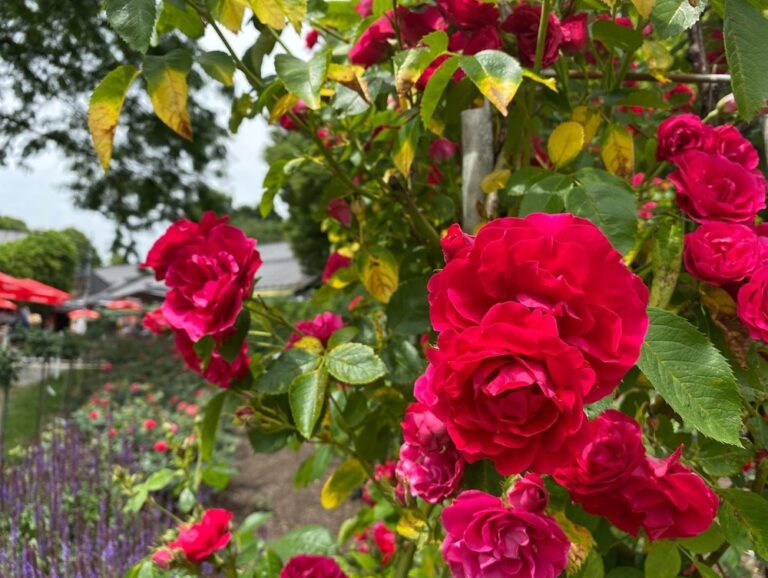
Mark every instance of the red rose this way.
pixel 209 269
pixel 149 424
pixel 729 142
pixel 415 23
pixel 423 428
pixel 311 566
pixel 485 539
pixel 335 262
pixel 682 133
pixel 287 122
pixel 162 558
pixel 322 327
pixel 575 33
pixel 218 371
pixel 373 46
pixel 528 493
pixel 384 538
pixel 719 253
pixel 712 188
pixel 364 8
pixel 339 210
pixel 509 389
pixel 160 446
pixel 524 24
pixel 442 149
pixel 469 14
pixel 156 322
pixel 681 95
pixel 200 540
pixel 560 264
pixel 752 304
pixel 311 38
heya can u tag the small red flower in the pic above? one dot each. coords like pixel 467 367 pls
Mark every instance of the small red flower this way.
pixel 199 541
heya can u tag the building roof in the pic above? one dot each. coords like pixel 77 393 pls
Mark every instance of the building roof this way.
pixel 280 270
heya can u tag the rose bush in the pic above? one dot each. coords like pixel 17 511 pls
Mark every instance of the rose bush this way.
pixel 554 250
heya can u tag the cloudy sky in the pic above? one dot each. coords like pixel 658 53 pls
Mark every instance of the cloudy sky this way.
pixel 37 196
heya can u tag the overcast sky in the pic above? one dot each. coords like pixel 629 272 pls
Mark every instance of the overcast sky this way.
pixel 37 196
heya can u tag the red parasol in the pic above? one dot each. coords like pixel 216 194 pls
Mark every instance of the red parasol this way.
pixel 125 305
pixel 30 291
pixel 84 314
pixel 5 304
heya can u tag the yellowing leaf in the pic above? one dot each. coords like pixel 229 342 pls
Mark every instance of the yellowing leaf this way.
pixel 581 542
pixel 644 7
pixel 618 151
pixel 312 344
pixel 658 59
pixel 268 12
pixel 550 83
pixel 348 476
pixel 294 10
pixel 379 273
pixel 229 13
pixel 496 74
pixel 411 525
pixel 167 86
pixel 494 181
pixel 407 142
pixel 565 143
pixel 104 109
pixel 351 77
pixel 589 120
pixel 284 104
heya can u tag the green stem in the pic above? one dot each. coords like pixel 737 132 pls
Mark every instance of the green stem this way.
pixel 761 476
pixel 405 560
pixel 541 38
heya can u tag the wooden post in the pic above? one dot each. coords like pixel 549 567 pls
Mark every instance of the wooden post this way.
pixel 477 161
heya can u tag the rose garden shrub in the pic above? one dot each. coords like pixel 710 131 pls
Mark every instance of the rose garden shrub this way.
pixel 573 382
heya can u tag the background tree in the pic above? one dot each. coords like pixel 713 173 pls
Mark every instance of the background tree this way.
pixel 49 257
pixel 52 54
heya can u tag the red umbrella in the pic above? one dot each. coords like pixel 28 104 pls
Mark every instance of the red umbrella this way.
pixel 5 304
pixel 84 314
pixel 124 305
pixel 30 291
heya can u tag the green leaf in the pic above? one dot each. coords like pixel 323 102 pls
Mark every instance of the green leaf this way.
pixel 210 425
pixel 133 20
pixel 435 89
pixel 708 541
pixel 135 503
pixel 204 350
pixel 187 500
pixel 608 203
pixel 181 16
pixel 745 30
pixel 625 572
pixel 104 109
pixel 347 477
pixel 592 567
pixel 617 36
pixel 232 346
pixel 304 79
pixel 721 460
pixel 307 396
pixel 403 361
pixel 673 17
pixel 751 510
pixel 305 540
pixel 265 442
pixel 692 376
pixel 167 87
pixel 706 571
pixel 290 365
pixel 663 560
pixel 313 467
pixel 666 256
pixel 411 64
pixel 407 143
pixel 217 476
pixel 496 74
pixel 408 310
pixel 355 363
pixel 343 335
pixel 160 479
pixel 273 182
pixel 218 65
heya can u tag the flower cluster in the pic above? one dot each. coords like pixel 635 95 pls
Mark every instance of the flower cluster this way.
pixel 719 187
pixel 536 317
pixel 429 463
pixel 612 476
pixel 209 268
pixel 485 537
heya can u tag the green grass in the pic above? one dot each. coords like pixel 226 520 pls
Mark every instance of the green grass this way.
pixel 23 407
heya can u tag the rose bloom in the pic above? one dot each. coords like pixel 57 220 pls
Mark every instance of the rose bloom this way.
pixel 560 264
pixel 112 432
pixel 422 428
pixel 298 110
pixel 575 33
pixel 162 558
pixel 311 566
pixel 524 24
pixel 752 305
pixel 373 45
pixel 712 188
pixel 339 210
pixel 209 268
pixel 469 14
pixel 311 38
pixel 384 538
pixel 686 99
pixel 528 493
pixel 94 415
pixel 729 142
pixel 335 262
pixel 430 475
pixel 485 538
pixel 150 424
pixel 219 371
pixel 681 133
pixel 321 327
pixel 509 389
pixel 442 149
pixel 719 253
pixel 364 8
pixel 211 533
pixel 161 446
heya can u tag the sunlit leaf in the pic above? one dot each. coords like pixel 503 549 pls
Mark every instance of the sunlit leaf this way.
pixel 565 143
pixel 496 74
pixel 347 477
pixel 218 65
pixel 133 20
pixel 230 13
pixel 618 151
pixel 167 86
pixel 304 79
pixel 746 30
pixel 379 273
